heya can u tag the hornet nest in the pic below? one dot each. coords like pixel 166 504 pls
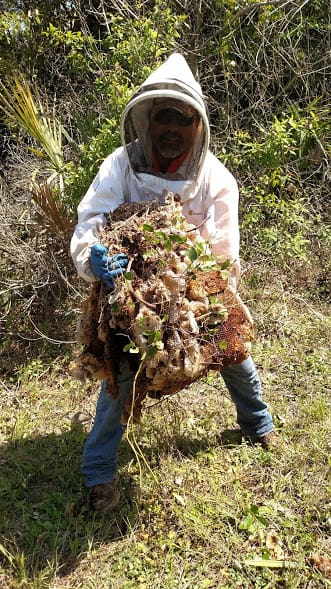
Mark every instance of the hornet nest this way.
pixel 173 314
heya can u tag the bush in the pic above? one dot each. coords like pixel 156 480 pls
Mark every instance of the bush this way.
pixel 277 169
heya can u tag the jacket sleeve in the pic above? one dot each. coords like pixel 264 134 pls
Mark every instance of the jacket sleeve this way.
pixel 103 196
pixel 221 227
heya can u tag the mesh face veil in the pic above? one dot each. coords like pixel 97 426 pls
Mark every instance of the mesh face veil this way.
pixel 155 97
pixel 171 116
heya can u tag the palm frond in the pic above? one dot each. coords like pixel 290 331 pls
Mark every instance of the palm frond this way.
pixel 19 106
pixel 54 215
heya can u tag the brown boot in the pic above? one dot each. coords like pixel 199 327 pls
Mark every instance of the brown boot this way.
pixel 268 441
pixel 104 497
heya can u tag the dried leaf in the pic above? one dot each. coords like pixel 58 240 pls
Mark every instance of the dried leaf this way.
pixel 274 545
pixel 323 564
pixel 270 563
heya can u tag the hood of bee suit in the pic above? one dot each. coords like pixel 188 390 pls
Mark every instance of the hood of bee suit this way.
pixel 174 80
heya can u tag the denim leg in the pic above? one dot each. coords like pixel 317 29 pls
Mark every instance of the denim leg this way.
pixel 243 383
pixel 100 453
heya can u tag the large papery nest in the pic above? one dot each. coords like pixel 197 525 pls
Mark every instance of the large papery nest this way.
pixel 173 315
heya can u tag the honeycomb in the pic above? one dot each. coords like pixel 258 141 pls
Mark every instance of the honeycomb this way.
pixel 174 307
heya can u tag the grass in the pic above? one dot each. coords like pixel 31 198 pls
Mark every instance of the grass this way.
pixel 211 513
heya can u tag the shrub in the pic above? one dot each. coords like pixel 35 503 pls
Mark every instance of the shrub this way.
pixel 275 168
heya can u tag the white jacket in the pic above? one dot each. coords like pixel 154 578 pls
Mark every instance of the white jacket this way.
pixel 208 191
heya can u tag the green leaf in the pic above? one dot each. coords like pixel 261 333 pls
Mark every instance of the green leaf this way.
pixel 247 522
pixel 177 238
pixel 192 254
pixel 148 227
pixel 222 344
pixel 206 584
pixel 148 254
pixel 262 520
pixel 131 348
pixel 151 351
pixel 225 264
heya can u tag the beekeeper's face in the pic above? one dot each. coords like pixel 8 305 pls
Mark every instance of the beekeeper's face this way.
pixel 172 130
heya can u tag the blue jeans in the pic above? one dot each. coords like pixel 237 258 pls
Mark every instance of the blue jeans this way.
pixel 101 447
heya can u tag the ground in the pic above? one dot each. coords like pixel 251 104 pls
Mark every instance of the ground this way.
pixel 202 510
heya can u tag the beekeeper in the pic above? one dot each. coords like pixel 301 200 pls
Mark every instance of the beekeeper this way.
pixel 165 146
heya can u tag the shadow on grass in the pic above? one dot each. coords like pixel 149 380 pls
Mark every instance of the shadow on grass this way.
pixel 187 446
pixel 178 445
pixel 43 503
pixel 44 520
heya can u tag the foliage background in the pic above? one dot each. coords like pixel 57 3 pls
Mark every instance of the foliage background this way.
pixel 263 67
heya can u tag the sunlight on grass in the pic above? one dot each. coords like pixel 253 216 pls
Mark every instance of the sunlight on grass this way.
pixel 220 514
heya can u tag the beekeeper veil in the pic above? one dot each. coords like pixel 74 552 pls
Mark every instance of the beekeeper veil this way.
pixel 172 81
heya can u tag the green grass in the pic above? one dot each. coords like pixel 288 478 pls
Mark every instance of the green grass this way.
pixel 207 506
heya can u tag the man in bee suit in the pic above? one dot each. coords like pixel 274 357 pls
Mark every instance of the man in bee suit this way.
pixel 165 139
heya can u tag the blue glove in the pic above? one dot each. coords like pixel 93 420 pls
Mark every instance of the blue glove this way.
pixel 107 267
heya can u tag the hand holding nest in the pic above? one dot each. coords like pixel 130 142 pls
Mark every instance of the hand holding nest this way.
pixel 105 267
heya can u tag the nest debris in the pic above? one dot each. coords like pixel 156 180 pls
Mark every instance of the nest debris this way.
pixel 173 315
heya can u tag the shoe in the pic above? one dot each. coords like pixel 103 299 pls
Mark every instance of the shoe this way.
pixel 268 441
pixel 104 497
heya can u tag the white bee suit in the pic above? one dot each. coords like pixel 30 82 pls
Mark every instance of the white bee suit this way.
pixel 208 191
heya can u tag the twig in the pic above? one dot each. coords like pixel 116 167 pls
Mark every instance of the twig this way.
pixel 200 224
pixel 10 392
pixel 136 293
pixel 130 426
pixel 316 313
pixel 52 340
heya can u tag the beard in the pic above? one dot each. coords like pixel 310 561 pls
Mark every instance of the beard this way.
pixel 170 145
